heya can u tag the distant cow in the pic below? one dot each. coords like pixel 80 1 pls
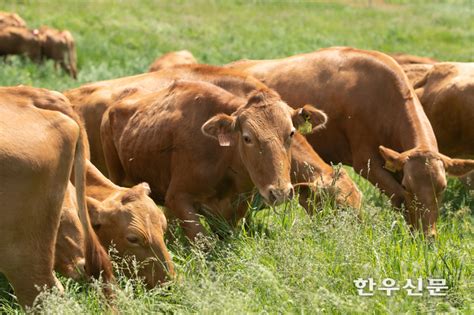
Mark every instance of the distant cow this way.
pixel 20 41
pixel 172 59
pixel 202 148
pixel 376 123
pixel 11 19
pixel 41 141
pixel 60 47
pixel 404 59
pixel 126 217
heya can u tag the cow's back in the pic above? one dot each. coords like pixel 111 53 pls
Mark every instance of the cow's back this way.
pixel 360 91
pixel 447 95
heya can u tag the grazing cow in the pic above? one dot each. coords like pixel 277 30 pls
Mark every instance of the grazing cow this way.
pixel 20 41
pixel 11 19
pixel 376 123
pixel 446 92
pixel 92 100
pixel 201 148
pixel 406 59
pixel 126 217
pixel 316 178
pixel 60 47
pixel 172 59
pixel 35 165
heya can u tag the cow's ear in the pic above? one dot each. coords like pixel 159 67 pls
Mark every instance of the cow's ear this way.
pixel 95 214
pixel 394 161
pixel 457 167
pixel 220 127
pixel 308 119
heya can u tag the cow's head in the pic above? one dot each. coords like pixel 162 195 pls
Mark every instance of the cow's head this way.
pixel 423 182
pixel 262 130
pixel 135 225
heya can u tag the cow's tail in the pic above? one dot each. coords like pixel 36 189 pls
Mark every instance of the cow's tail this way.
pixel 71 52
pixel 97 260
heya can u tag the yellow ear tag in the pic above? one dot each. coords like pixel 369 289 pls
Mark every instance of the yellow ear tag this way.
pixel 305 128
pixel 389 166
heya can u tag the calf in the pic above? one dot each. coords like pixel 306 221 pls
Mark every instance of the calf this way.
pixel 126 217
pixel 60 47
pixel 20 41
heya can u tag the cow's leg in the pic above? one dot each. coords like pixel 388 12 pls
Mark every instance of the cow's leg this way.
pixel 181 207
pixel 65 67
pixel 31 275
pixel 27 284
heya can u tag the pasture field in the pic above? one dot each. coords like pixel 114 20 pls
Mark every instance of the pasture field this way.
pixel 280 260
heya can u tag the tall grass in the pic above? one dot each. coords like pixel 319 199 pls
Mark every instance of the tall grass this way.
pixel 278 260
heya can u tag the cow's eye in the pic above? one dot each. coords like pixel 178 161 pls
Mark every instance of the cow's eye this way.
pixel 247 139
pixel 292 133
pixel 133 239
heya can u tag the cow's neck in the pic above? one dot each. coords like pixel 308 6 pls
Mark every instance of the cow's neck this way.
pixel 98 186
pixel 413 129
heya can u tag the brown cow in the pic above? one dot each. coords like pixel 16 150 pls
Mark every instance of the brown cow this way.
pixel 168 138
pixel 322 179
pixel 60 47
pixel 416 72
pixel 373 115
pixel 126 217
pixel 172 59
pixel 446 92
pixel 11 19
pixel 92 100
pixel 406 59
pixel 35 165
pixel 20 41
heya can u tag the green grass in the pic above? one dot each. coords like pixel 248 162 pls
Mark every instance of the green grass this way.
pixel 278 261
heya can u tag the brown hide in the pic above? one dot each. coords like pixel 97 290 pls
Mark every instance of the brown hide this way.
pixel 20 41
pixel 370 104
pixel 201 147
pixel 60 47
pixel 36 162
pixel 126 217
pixel 92 100
pixel 172 59
pixel 11 19
pixel 406 59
